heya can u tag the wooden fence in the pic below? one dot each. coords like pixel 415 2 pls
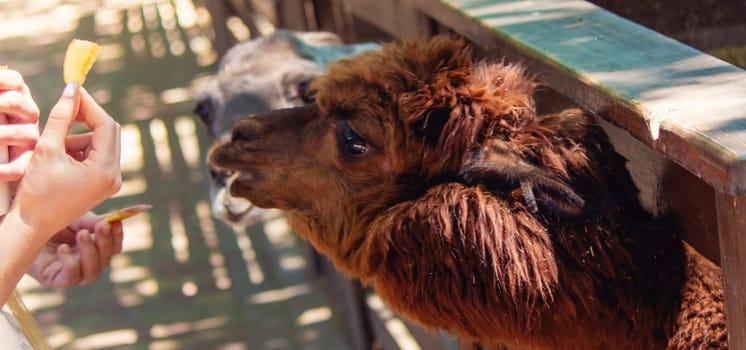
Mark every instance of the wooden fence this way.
pixel 677 113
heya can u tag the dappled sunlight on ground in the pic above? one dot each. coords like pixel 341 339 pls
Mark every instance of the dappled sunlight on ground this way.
pixel 184 280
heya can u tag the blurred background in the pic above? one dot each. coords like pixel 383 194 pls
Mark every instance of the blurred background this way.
pixel 184 280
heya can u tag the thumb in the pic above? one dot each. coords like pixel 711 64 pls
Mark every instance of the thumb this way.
pixel 61 117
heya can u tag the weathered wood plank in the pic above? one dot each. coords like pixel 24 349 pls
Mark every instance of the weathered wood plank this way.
pixel 220 12
pixel 332 15
pixel 292 15
pixel 244 10
pixel 686 104
pixel 732 224
pixel 396 17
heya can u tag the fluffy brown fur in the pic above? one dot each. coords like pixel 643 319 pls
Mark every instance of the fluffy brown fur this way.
pixel 431 177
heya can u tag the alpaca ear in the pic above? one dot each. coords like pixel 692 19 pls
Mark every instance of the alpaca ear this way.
pixel 502 171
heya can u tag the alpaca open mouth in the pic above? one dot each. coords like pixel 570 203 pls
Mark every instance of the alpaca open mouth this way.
pixel 232 216
pixel 240 186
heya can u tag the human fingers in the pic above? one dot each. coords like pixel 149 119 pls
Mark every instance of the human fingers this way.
pixel 91 113
pixel 60 120
pixel 78 146
pixel 117 233
pixel 14 170
pixel 21 139
pixel 19 106
pixel 68 273
pixel 86 221
pixel 78 142
pixel 104 243
pixel 19 134
pixel 66 235
pixel 106 138
pixel 11 80
pixel 89 261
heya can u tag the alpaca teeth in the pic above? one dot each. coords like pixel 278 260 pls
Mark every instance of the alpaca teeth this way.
pixel 244 177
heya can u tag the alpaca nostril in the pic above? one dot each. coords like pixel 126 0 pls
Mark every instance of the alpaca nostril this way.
pixel 239 135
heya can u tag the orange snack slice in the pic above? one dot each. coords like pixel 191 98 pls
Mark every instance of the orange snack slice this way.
pixel 79 58
pixel 121 214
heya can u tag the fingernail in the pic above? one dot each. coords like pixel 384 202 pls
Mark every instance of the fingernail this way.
pixel 64 249
pixel 84 235
pixel 71 90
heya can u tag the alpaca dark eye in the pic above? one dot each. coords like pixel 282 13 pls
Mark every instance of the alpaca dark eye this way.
pixel 304 91
pixel 202 110
pixel 351 143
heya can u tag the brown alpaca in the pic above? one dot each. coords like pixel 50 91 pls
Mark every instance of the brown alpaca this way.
pixel 431 177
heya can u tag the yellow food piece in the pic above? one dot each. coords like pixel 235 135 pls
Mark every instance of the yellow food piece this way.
pixel 121 214
pixel 79 58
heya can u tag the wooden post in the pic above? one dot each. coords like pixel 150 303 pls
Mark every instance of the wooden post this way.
pixel 409 23
pixel 731 214
pixel 220 12
pixel 334 16
pixel 244 9
pixel 292 15
pixel 348 297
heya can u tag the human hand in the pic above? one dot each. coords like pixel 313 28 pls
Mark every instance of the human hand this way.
pixel 20 130
pixel 68 175
pixel 79 253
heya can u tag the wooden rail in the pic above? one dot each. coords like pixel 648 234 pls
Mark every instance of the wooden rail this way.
pixel 677 113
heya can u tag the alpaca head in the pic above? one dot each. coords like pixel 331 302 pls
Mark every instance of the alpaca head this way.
pixel 259 75
pixel 416 166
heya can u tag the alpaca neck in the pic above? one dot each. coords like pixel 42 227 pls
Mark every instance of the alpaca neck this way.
pixel 627 277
